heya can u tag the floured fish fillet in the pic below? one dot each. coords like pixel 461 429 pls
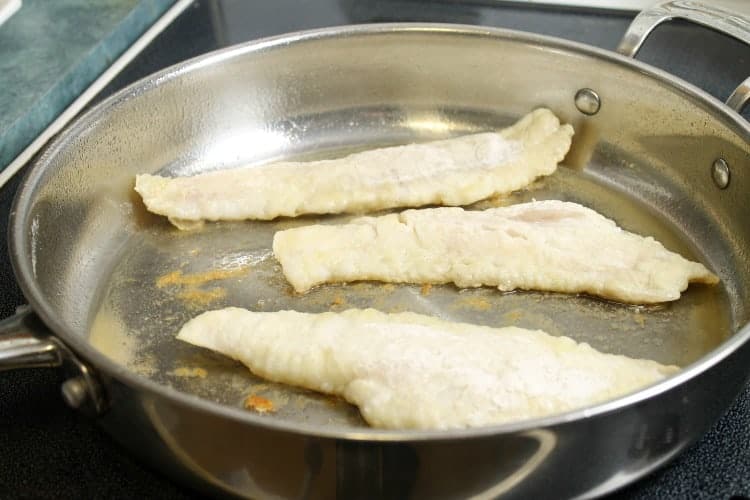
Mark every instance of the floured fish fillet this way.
pixel 543 245
pixel 409 371
pixel 454 171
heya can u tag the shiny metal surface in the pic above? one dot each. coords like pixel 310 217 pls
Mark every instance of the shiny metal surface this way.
pixel 720 173
pixel 731 17
pixel 103 273
pixel 74 392
pixel 588 101
pixel 25 342
pixel 20 347
pixel 740 97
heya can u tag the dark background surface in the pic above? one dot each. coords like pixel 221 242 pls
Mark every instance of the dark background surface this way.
pixel 49 451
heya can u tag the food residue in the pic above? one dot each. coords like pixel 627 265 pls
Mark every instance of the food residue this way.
pixel 177 278
pixel 338 300
pixel 476 303
pixel 110 335
pixel 201 297
pixel 639 319
pixel 426 289
pixel 513 316
pixel 191 285
pixel 256 388
pixel 500 200
pixel 259 404
pixel 331 400
pixel 185 371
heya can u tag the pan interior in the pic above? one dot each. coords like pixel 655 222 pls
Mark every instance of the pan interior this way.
pixel 162 277
pixel 113 276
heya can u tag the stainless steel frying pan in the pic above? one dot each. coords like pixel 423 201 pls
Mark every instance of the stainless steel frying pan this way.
pixel 109 285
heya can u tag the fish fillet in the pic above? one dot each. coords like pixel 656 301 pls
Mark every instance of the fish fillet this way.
pixel 409 371
pixel 543 245
pixel 454 171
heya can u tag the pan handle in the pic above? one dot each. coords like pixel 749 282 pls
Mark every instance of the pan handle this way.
pixel 22 347
pixel 25 342
pixel 740 97
pixel 731 17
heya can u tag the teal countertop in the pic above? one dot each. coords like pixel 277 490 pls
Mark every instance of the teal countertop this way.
pixel 52 50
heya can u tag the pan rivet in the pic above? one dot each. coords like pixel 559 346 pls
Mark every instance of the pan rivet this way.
pixel 588 102
pixel 720 173
pixel 74 392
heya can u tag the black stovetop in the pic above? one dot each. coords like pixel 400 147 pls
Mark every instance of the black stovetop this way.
pixel 49 451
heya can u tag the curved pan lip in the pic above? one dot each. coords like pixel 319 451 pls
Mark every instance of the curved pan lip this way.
pixel 18 240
